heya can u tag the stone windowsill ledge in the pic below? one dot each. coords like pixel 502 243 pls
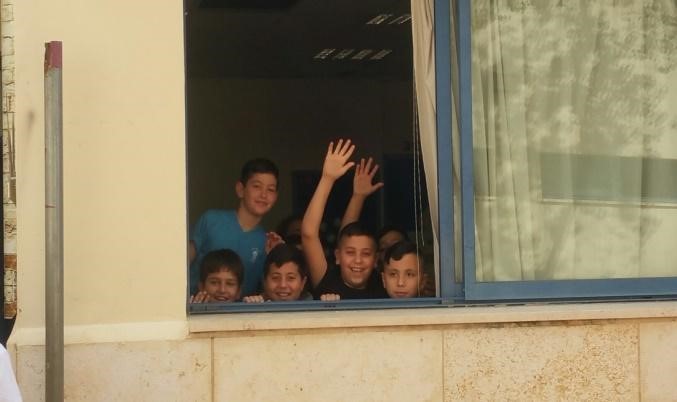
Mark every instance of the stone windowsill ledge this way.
pixel 454 315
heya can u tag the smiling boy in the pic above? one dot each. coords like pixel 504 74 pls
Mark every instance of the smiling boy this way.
pixel 220 278
pixel 402 274
pixel 355 277
pixel 238 229
pixel 284 276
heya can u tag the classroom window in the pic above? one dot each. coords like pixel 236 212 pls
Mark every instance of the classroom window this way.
pixel 259 85
pixel 545 134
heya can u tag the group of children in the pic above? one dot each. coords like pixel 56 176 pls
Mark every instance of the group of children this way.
pixel 234 259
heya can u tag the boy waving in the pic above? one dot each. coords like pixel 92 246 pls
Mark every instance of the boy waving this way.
pixel 353 276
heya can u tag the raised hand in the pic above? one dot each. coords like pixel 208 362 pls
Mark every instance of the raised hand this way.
pixel 272 240
pixel 336 162
pixel 364 175
pixel 200 297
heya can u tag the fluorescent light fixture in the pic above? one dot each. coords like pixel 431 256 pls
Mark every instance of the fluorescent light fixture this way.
pixel 343 54
pixel 401 19
pixel 381 54
pixel 362 54
pixel 379 19
pixel 323 54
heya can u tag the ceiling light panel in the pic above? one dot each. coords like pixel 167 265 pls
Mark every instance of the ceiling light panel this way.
pixel 362 54
pixel 381 54
pixel 323 54
pixel 343 54
pixel 379 19
pixel 401 19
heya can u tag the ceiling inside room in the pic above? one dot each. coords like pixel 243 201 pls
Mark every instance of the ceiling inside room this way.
pixel 285 39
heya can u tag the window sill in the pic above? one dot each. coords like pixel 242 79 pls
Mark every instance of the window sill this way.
pixel 449 315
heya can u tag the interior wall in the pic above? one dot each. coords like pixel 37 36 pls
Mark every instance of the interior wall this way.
pixel 289 121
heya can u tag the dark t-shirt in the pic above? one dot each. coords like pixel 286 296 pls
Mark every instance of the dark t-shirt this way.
pixel 333 283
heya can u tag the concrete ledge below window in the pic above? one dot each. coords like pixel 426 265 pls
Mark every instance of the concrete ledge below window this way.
pixel 451 315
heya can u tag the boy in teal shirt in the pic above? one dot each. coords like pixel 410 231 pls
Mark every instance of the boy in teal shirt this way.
pixel 239 229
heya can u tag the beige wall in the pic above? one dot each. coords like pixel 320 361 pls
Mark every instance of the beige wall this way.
pixel 124 162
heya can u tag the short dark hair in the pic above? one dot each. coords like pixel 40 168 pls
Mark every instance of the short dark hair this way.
pixel 258 165
pixel 224 259
pixel 399 250
pixel 392 228
pixel 355 229
pixel 282 254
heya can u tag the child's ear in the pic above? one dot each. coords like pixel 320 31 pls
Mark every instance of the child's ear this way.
pixel 336 256
pixel 383 278
pixel 239 189
pixel 200 286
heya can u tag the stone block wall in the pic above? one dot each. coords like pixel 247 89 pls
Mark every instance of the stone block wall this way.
pixel 600 360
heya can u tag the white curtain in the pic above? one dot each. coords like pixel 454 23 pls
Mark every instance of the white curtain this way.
pixel 575 138
pixel 424 84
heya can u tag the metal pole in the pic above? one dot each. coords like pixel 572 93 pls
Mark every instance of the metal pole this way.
pixel 53 225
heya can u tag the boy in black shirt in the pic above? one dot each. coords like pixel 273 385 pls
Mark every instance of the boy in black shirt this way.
pixel 354 276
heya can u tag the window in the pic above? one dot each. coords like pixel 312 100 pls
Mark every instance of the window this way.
pixel 572 149
pixel 258 85
pixel 548 140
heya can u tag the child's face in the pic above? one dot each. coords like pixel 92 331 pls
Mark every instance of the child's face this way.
pixel 356 256
pixel 402 278
pixel 284 283
pixel 259 194
pixel 221 286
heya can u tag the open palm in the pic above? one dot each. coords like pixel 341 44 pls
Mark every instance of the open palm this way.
pixel 364 175
pixel 336 162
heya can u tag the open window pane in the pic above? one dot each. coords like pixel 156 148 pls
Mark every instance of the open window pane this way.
pixel 575 151
pixel 280 79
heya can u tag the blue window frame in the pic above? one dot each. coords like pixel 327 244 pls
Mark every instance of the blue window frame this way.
pixel 449 288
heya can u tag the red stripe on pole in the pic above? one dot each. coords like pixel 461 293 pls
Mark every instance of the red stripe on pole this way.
pixel 53 56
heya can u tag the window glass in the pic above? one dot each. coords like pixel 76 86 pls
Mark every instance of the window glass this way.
pixel 575 152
